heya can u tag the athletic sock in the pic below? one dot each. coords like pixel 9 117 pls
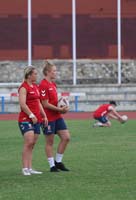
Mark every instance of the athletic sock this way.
pixel 59 157
pixel 25 168
pixel 51 162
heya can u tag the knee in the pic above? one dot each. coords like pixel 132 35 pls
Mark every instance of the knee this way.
pixel 66 139
pixel 30 144
pixel 33 144
pixel 49 143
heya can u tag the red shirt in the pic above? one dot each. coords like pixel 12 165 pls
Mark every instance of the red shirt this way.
pixel 102 110
pixel 48 91
pixel 32 101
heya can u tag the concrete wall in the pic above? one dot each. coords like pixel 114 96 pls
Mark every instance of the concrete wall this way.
pixel 88 71
pixel 96 83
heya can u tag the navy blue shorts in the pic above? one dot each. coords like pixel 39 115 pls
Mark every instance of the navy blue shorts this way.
pixel 29 126
pixel 102 119
pixel 54 126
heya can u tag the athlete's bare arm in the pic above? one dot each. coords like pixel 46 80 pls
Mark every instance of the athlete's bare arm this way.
pixel 115 114
pixel 62 110
pixel 43 114
pixel 23 105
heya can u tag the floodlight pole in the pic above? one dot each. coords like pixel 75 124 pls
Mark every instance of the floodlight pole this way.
pixel 74 39
pixel 119 39
pixel 29 33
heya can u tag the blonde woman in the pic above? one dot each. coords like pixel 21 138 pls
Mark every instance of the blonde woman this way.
pixel 56 123
pixel 30 117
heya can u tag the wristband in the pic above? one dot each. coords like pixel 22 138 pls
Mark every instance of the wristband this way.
pixel 31 116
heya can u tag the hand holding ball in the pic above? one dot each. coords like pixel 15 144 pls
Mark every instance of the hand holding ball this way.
pixel 63 101
pixel 124 118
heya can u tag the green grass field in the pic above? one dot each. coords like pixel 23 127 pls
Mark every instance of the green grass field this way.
pixel 102 163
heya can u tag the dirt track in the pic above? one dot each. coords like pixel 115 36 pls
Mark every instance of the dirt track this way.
pixel 70 115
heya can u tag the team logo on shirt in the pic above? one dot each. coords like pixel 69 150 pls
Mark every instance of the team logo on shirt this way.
pixel 49 128
pixel 22 127
pixel 30 126
pixel 24 118
pixel 43 93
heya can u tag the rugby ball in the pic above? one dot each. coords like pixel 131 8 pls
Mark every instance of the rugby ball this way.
pixel 63 101
pixel 124 118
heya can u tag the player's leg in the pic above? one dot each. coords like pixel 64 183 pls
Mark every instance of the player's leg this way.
pixel 49 141
pixel 105 121
pixel 64 136
pixel 102 122
pixel 97 123
pixel 30 133
pixel 27 131
pixel 32 144
pixel 107 124
pixel 49 152
pixel 27 152
pixel 49 145
pixel 36 135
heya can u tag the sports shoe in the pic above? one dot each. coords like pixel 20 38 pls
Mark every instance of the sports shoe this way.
pixel 54 169
pixel 26 172
pixel 32 171
pixel 61 166
pixel 97 124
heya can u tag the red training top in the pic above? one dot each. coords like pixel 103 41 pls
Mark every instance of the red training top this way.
pixel 48 91
pixel 102 110
pixel 32 101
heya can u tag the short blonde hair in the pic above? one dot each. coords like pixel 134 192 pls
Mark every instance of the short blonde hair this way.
pixel 47 67
pixel 28 71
